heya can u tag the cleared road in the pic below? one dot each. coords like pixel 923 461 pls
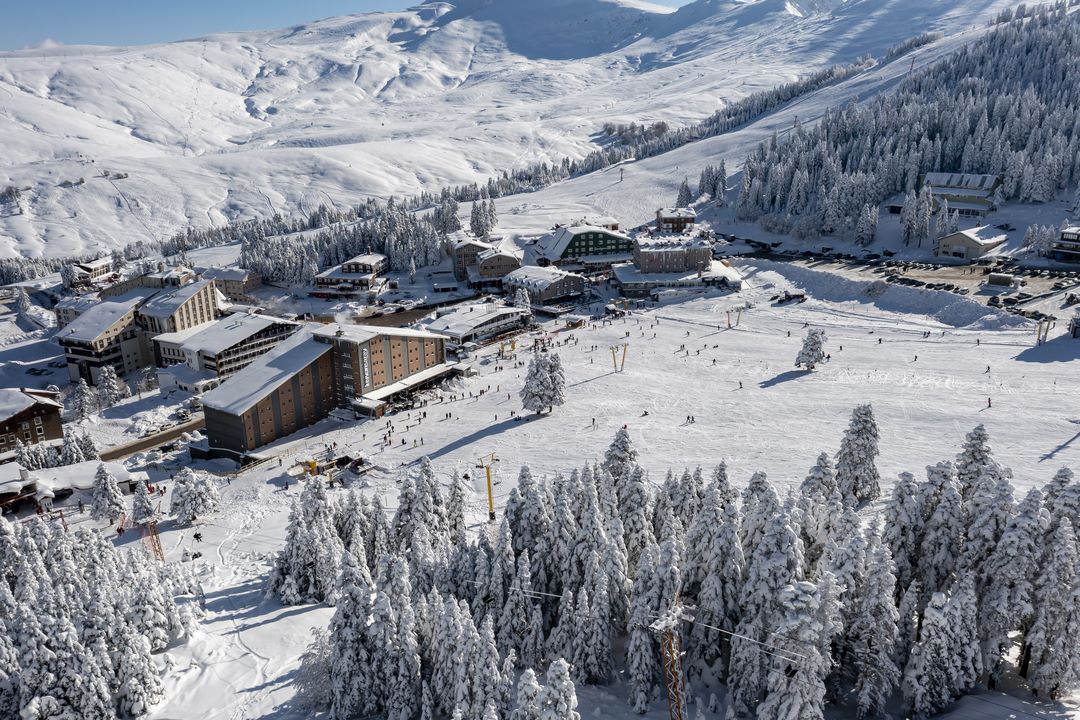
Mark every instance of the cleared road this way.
pixel 120 452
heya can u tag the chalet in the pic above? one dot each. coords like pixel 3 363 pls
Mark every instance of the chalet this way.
pixel 675 220
pixel 969 195
pixel 465 250
pixel 583 246
pixel 545 284
pixel 969 244
pixel 83 273
pixel 672 254
pixel 360 273
pixel 492 265
pixel 1067 247
pixel 28 416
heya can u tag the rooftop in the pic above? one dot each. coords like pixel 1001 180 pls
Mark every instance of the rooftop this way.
pixel 181 336
pixel 961 180
pixel 681 213
pixel 166 304
pixel 79 476
pixel 465 320
pixel 366 259
pixel 658 244
pixel 101 262
pixel 554 245
pixel 600 220
pixel 629 274
pixel 239 393
pixel 96 320
pixel 983 235
pixel 363 333
pixel 77 302
pixel 226 273
pixel 536 278
pixel 219 336
pixel 15 400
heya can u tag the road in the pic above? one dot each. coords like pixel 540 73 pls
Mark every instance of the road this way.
pixel 120 452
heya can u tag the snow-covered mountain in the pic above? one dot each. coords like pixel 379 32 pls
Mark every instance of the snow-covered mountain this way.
pixel 112 145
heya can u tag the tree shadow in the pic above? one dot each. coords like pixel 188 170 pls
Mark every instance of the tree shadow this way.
pixel 782 378
pixel 1052 453
pixel 1061 349
pixel 494 429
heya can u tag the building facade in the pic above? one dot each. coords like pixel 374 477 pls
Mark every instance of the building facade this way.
pixel 584 246
pixel 28 416
pixel 666 254
pixel 234 283
pixel 473 323
pixel 675 220
pixel 545 284
pixel 1067 247
pixel 176 310
pixel 969 244
pixel 103 335
pixel 360 273
pixel 465 251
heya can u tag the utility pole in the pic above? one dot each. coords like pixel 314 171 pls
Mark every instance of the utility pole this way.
pixel 486 462
pixel 667 627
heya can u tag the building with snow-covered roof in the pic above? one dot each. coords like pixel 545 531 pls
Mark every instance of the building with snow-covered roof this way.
pixel 173 310
pixel 356 274
pixel 28 416
pixel 675 220
pixel 1067 247
pixel 968 194
pixel 672 254
pixel 585 246
pixel 71 307
pixel 492 265
pixel 235 283
pixel 317 369
pixel 637 284
pixel 214 351
pixel 464 249
pixel 47 484
pixel 479 321
pixel 603 221
pixel 545 284
pixel 105 334
pixel 970 244
pixel 83 273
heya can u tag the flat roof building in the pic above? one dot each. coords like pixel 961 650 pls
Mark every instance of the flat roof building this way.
pixel 1067 247
pixel 672 254
pixel 234 283
pixel 471 323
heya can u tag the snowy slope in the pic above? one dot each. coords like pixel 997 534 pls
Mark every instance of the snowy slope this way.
pixel 245 124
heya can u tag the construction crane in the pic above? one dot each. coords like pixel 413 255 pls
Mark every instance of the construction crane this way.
pixel 487 462
pixel 667 627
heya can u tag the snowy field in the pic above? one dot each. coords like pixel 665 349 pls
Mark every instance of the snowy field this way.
pixel 243 662
pixel 112 145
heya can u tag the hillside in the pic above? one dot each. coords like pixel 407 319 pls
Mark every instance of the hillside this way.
pixel 249 124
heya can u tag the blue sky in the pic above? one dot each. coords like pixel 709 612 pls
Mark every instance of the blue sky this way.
pixel 132 22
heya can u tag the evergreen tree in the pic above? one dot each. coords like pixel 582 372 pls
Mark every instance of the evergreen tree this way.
pixel 902 527
pixel 874 633
pixel 813 349
pixel 537 391
pixel 641 665
pixel 795 686
pixel 856 472
pixel 111 389
pixel 973 460
pixel 194 495
pixel 83 401
pixel 940 546
pixel 558 699
pixel 350 657
pixel 760 504
pixel 722 566
pixel 108 501
pixel 306 569
pixel 1052 645
pixel 928 682
pixel 139 684
pixel 684 199
pixel 71 452
pixel 142 507
pixel 529 697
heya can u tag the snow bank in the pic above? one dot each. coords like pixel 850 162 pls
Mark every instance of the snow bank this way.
pixel 945 307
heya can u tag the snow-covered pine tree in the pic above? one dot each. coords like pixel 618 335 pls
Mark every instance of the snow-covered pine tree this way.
pixel 84 402
pixel 776 561
pixel 684 198
pixel 795 684
pixel 928 682
pixel 537 391
pixel 1051 645
pixel 1007 585
pixel 634 502
pixel 642 669
pixel 142 507
pixel 940 545
pixel 873 632
pixel 813 349
pixel 306 569
pixel 521 298
pixel 974 459
pixel 194 495
pixel 529 697
pixel 815 521
pixel 108 501
pixel 350 658
pixel 86 445
pixel 902 527
pixel 71 452
pixel 139 684
pixel 558 699
pixel 759 504
pixel 556 381
pixel 856 470
pixel 111 389
pixel 962 611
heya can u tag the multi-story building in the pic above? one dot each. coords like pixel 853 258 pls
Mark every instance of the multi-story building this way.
pixel 465 249
pixel 199 359
pixel 72 307
pixel 234 283
pixel 545 284
pixel 492 265
pixel 675 220
pixel 316 370
pixel 82 273
pixel 28 416
pixel 583 246
pixel 672 254
pixel 185 307
pixel 359 273
pixel 1067 247
pixel 103 335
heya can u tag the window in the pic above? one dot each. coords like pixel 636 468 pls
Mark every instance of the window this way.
pixel 41 431
pixel 37 420
pixel 26 426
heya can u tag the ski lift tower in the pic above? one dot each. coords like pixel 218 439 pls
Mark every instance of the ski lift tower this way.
pixel 487 462
pixel 667 627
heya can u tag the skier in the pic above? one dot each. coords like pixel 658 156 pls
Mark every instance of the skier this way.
pixel 80 507
pixel 988 402
pixel 198 537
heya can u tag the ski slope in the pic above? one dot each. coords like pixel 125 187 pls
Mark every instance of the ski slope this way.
pixel 113 145
pixel 243 664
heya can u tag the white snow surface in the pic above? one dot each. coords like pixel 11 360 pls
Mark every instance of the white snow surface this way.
pixel 247 124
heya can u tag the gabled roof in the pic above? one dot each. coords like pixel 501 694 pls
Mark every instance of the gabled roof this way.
pixel 683 213
pixel 967 181
pixel 363 333
pixel 226 273
pixel 554 245
pixel 266 374
pixel 219 336
pixel 165 304
pixel 983 235
pixel 366 259
pixel 16 400
pixel 536 278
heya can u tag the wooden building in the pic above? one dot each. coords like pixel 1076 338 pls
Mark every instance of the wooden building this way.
pixel 28 416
